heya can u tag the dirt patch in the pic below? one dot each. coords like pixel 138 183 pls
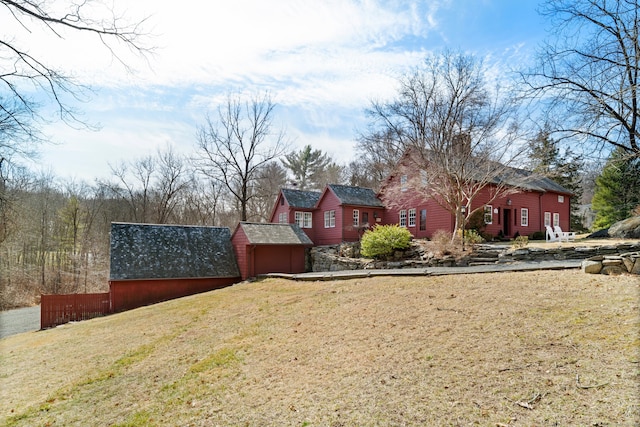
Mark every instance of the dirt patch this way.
pixel 537 348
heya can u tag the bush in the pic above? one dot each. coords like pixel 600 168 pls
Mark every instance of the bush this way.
pixel 520 242
pixel 384 240
pixel 472 237
pixel 537 235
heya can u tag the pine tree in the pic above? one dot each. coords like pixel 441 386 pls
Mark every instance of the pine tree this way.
pixel 617 189
pixel 308 167
pixel 564 168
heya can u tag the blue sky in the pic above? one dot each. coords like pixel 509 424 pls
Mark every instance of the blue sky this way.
pixel 322 62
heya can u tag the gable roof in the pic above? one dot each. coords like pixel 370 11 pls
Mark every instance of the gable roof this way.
pixel 148 251
pixel 532 181
pixel 514 177
pixel 301 199
pixel 274 234
pixel 356 196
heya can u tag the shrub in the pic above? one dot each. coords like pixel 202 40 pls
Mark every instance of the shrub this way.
pixel 537 235
pixel 472 237
pixel 520 242
pixel 383 240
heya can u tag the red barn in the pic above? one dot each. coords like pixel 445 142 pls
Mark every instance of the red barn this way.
pixel 270 248
pixel 152 263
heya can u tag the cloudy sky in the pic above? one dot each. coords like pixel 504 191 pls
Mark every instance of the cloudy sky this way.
pixel 322 61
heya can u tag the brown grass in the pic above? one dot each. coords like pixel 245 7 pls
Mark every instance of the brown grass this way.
pixel 490 349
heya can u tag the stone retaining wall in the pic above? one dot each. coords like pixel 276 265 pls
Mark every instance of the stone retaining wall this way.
pixel 613 264
pixel 346 256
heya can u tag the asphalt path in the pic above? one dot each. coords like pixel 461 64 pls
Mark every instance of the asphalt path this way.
pixel 20 320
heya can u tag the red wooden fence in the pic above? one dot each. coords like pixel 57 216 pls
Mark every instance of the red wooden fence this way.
pixel 59 309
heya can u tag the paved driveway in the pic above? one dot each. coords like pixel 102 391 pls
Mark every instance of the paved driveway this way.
pixel 19 320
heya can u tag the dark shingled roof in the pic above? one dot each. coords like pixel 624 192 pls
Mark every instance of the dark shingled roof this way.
pixel 526 180
pixel 274 234
pixel 301 199
pixel 146 251
pixel 356 196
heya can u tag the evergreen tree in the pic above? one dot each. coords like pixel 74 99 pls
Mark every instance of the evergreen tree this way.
pixel 617 189
pixel 308 167
pixel 548 160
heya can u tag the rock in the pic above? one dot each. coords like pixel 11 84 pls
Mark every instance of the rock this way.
pixel 591 267
pixel 636 267
pixel 628 263
pixel 600 234
pixel 613 270
pixel 626 229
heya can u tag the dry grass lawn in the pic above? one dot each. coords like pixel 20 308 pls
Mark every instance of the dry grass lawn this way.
pixel 509 349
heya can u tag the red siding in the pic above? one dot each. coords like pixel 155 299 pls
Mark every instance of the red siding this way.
pixel 241 248
pixel 280 206
pixel 331 235
pixel 439 218
pixel 129 294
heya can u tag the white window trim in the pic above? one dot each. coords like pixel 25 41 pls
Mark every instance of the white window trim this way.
pixel 402 222
pixel 299 218
pixel 329 219
pixel 556 219
pixel 356 218
pixel 488 210
pixel 547 219
pixel 282 218
pixel 524 217
pixel 308 220
pixel 403 182
pixel 560 198
pixel 412 217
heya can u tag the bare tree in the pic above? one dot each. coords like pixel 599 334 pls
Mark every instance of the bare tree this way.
pixel 459 133
pixel 236 145
pixel 21 73
pixel 587 75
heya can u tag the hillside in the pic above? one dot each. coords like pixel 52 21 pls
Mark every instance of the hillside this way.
pixel 535 348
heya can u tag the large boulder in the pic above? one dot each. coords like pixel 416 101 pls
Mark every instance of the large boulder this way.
pixel 626 229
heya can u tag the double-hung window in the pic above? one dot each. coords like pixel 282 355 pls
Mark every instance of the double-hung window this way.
pixel 356 217
pixel 524 217
pixel 488 214
pixel 299 219
pixel 423 219
pixel 412 217
pixel 307 221
pixel 547 219
pixel 556 219
pixel 282 217
pixel 403 182
pixel 329 219
pixel 403 218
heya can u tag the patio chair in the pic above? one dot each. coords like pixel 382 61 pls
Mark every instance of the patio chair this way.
pixel 552 236
pixel 564 235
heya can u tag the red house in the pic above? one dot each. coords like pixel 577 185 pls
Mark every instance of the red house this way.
pixel 533 203
pixel 344 212
pixel 296 207
pixel 269 248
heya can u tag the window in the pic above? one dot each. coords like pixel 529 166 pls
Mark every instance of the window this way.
pixel 282 218
pixel 329 219
pixel 299 219
pixel 403 182
pixel 308 223
pixel 524 217
pixel 424 179
pixel 560 199
pixel 356 217
pixel 556 219
pixel 412 217
pixel 423 219
pixel 488 214
pixel 403 218
pixel 547 219
pixel 365 218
